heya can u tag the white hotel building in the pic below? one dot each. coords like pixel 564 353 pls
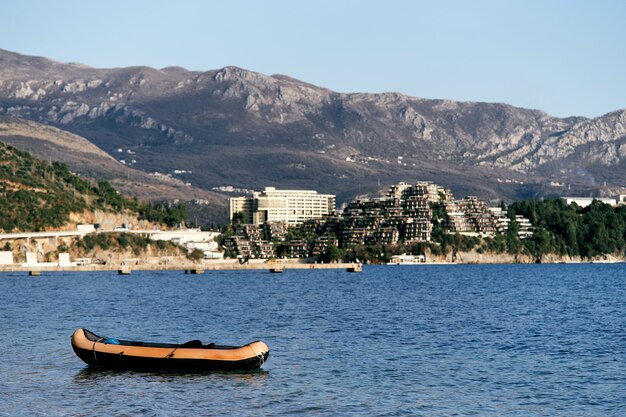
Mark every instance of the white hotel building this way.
pixel 288 206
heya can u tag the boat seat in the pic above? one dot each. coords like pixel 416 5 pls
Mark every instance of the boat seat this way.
pixel 192 344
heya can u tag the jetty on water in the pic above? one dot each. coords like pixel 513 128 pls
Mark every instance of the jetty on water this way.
pixel 274 267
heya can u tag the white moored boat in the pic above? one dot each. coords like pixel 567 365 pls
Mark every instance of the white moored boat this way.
pixel 405 259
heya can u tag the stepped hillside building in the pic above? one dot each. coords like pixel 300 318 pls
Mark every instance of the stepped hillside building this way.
pixel 426 190
pixel 291 207
pixel 480 218
pixel 405 216
pixel 525 228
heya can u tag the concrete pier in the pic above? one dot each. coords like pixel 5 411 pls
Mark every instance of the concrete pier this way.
pixel 190 269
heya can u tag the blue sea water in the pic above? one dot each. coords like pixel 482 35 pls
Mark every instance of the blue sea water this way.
pixel 459 340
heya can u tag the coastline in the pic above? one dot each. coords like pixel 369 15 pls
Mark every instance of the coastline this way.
pixel 127 266
pixel 473 257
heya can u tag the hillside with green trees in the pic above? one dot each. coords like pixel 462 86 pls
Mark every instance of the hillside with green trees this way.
pixel 36 195
pixel 569 230
pixel 560 231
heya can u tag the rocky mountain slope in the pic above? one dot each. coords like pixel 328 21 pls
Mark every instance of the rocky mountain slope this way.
pixel 232 127
pixel 52 144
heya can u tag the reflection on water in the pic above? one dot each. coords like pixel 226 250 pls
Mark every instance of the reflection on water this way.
pixel 94 374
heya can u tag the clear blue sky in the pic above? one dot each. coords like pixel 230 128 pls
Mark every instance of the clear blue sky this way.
pixel 566 57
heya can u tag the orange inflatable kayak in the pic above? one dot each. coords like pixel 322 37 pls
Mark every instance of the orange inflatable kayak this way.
pixel 112 353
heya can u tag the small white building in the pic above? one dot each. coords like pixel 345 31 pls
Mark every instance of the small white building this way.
pixel 183 236
pixel 86 228
pixel 586 201
pixel 64 259
pixel 405 259
pixel 192 239
pixel 6 258
pixel 213 255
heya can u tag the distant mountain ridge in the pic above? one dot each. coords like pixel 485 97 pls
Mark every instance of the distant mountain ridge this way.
pixel 236 127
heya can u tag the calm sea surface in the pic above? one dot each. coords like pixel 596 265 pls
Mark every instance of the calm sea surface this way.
pixel 514 340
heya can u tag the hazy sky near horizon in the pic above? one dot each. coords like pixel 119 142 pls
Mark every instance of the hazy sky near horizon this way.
pixel 566 57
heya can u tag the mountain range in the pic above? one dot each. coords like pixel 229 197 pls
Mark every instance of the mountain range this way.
pixel 233 129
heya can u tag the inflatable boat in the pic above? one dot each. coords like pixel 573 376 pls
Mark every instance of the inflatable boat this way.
pixel 112 353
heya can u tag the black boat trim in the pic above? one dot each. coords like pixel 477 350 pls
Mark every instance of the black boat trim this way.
pixel 139 363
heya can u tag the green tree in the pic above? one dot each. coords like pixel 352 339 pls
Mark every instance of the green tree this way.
pixel 333 254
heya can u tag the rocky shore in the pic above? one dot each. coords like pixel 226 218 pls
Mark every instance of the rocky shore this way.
pixel 474 257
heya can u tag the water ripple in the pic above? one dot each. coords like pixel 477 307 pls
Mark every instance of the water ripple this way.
pixel 520 340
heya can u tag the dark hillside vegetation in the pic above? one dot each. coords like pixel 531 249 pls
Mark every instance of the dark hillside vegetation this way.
pixel 35 195
pixel 587 232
